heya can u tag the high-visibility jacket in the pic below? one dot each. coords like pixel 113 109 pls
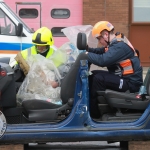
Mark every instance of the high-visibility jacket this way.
pixel 57 57
pixel 32 51
pixel 22 56
pixel 126 65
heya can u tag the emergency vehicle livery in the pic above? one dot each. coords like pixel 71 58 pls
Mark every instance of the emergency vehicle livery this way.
pixel 11 41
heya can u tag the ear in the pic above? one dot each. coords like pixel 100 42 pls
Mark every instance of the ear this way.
pixel 106 33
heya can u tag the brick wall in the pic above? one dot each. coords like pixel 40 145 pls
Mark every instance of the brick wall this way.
pixel 114 11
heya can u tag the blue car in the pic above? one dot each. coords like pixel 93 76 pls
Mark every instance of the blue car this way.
pixel 124 116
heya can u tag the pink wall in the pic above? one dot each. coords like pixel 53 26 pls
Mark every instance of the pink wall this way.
pixel 75 7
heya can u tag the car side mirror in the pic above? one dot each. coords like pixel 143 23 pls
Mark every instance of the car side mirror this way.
pixel 81 41
pixel 19 29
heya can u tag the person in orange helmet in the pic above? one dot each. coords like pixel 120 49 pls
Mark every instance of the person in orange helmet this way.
pixel 124 69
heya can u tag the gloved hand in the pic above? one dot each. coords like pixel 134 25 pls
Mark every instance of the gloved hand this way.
pixel 23 64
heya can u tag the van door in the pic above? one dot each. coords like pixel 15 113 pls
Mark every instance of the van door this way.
pixel 61 14
pixel 30 12
pixel 10 44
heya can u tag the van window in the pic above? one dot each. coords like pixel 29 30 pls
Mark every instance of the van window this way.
pixel 60 13
pixel 28 13
pixel 7 27
pixel 56 31
pixel 17 18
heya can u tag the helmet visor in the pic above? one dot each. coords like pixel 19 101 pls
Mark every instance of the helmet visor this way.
pixel 38 40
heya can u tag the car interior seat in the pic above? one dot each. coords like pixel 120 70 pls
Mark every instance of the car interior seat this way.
pixel 6 30
pixel 13 32
pixel 5 60
pixel 109 99
pixel 7 84
pixel 41 110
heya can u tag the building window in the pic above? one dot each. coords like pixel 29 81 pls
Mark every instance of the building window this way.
pixel 60 13
pixel 56 31
pixel 141 11
pixel 28 13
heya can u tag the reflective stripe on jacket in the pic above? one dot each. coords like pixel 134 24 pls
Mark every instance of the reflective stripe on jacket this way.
pixel 126 65
pixel 57 57
pixel 32 51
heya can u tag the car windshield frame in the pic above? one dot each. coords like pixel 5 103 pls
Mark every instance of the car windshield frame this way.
pixel 17 18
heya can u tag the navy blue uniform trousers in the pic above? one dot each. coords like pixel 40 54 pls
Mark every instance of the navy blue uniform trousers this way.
pixel 101 80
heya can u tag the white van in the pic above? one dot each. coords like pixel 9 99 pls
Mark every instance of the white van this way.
pixel 12 37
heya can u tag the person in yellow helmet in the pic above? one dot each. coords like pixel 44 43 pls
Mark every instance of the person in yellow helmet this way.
pixel 43 41
pixel 124 69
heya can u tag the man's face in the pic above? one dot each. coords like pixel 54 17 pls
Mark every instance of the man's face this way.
pixel 102 41
pixel 41 48
pixel 105 35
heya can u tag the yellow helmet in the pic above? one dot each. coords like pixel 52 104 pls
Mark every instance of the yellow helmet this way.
pixel 100 26
pixel 43 36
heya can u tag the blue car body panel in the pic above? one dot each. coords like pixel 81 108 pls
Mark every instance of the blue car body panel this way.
pixel 79 126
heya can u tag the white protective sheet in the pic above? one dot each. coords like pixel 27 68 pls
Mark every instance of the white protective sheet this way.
pixel 72 32
pixel 37 84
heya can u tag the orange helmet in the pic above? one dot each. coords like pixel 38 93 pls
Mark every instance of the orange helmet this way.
pixel 100 26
